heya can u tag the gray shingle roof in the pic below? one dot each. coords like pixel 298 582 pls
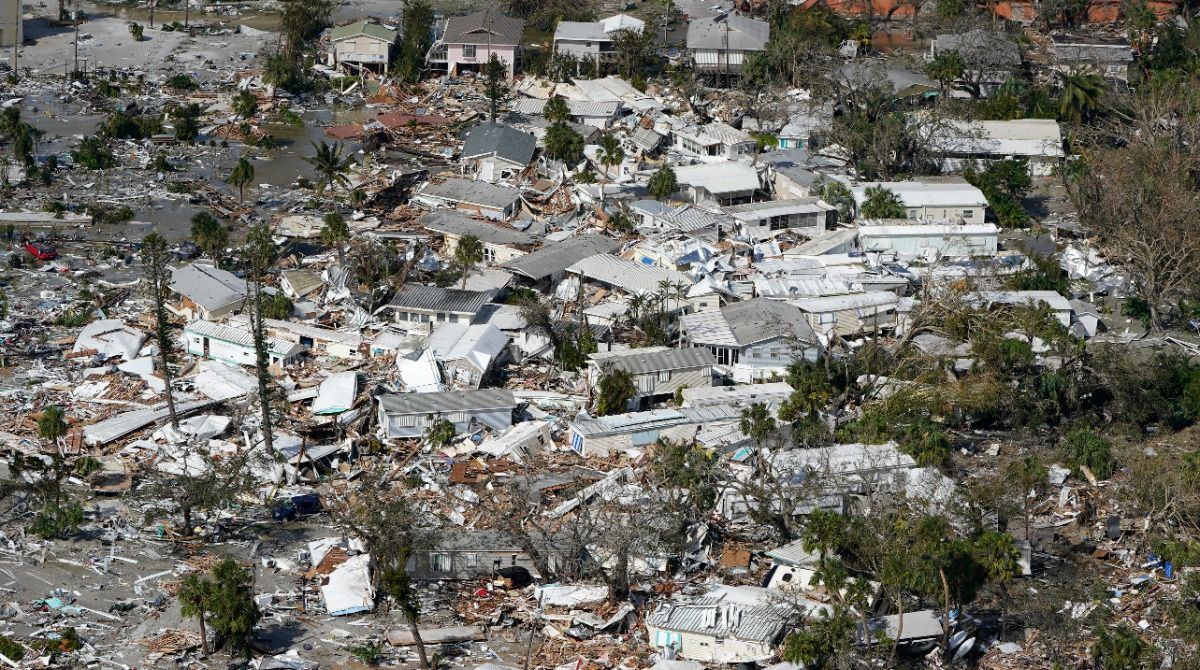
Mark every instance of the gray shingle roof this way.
pixel 672 359
pixel 497 139
pixel 448 401
pixel 981 46
pixel 437 299
pixel 750 322
pixel 558 256
pixel 744 34
pixel 207 286
pixel 472 192
pixel 474 29
pixel 710 616
pixel 445 221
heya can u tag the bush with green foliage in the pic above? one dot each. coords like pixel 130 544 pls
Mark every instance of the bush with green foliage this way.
pixel 182 82
pixel 440 432
pixel 277 306
pixel 94 154
pixel 1084 447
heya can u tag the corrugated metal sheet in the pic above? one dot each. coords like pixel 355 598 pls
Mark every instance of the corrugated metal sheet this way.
pixel 713 616
pixel 448 401
pixel 671 359
pixel 628 275
pixel 437 299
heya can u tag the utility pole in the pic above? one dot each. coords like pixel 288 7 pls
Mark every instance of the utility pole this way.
pixel 152 3
pixel 75 20
pixel 16 38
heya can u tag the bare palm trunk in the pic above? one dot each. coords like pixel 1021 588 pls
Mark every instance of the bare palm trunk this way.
pixel 416 633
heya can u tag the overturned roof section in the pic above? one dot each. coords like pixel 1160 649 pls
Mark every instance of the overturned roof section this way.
pixel 733 32
pixel 447 401
pixel 478 193
pixel 453 223
pixel 207 286
pixel 482 28
pixel 556 257
pixel 496 139
pixel 628 275
pixel 712 617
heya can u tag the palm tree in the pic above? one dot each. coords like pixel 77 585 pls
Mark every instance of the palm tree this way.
pixel 330 165
pixel 335 233
pixel 637 302
pixel 610 155
pixel 1082 93
pixel 242 174
pixel 556 110
pixel 467 253
pixel 209 234
pixel 195 596
pixel 663 183
pixel 881 203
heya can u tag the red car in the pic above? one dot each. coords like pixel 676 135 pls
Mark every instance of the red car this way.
pixel 41 250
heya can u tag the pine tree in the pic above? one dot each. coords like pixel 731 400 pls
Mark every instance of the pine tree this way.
pixel 158 276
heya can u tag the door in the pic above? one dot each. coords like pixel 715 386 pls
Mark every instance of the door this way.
pixel 206 347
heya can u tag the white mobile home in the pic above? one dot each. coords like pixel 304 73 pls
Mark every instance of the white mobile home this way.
pixel 932 201
pixel 408 415
pixel 926 240
pixel 220 342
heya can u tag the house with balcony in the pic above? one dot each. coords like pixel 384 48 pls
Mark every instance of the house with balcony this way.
pixel 363 45
pixel 719 46
pixel 467 42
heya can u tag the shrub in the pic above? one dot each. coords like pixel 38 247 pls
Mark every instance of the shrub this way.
pixel 1085 448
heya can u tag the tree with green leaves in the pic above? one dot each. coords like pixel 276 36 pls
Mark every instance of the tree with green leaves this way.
pixel 556 110
pixel 439 432
pixel 764 142
pixel 260 252
pixel 468 252
pixel 609 155
pixel 614 392
pixel 1082 96
pixel 241 175
pixel 302 22
pixel 209 235
pixel 24 142
pixel 155 259
pixel 495 74
pixel 1119 649
pixel 945 68
pixel 564 144
pixel 331 166
pixel 881 203
pixel 195 594
pixel 418 28
pixel 232 611
pixel 335 233
pixel 187 121
pixel 999 557
pixel 94 154
pixel 663 183
pixel 757 423
pixel 137 31
pixel 245 104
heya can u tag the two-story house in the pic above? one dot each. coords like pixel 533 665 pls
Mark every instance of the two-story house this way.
pixel 719 46
pixel 467 42
pixel 364 44
pixel 657 373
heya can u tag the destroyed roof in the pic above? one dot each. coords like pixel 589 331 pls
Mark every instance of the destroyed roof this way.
pixel 713 617
pixel 746 323
pixel 986 46
pixel 716 178
pixel 638 363
pixel 1052 299
pixel 629 275
pixel 591 31
pixel 558 256
pixel 574 107
pixel 446 401
pixel 350 338
pixel 303 282
pixel 728 32
pixel 496 139
pixel 843 459
pixel 685 219
pixel 1091 49
pixel 454 223
pixel 832 239
pixel 645 138
pixel 438 299
pixel 240 337
pixel 472 192
pixel 363 28
pixel 207 286
pixel 486 27
pixel 833 303
pixel 754 211
pixel 110 337
pixel 653 419
pixel 479 344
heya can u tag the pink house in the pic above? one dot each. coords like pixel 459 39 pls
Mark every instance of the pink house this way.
pixel 468 42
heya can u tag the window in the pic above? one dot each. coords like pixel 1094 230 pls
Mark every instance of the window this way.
pixel 912 213
pixel 664 376
pixel 468 51
pixel 456 417
pixel 407 420
pixel 440 562
pixel 968 213
pixel 471 559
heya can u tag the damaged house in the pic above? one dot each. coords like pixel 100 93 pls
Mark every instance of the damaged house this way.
pixel 228 343
pixel 711 630
pixel 496 152
pixel 201 291
pixel 759 338
pixel 409 415
pixel 501 244
pixel 657 374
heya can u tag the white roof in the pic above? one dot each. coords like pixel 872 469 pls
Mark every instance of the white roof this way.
pixel 849 301
pixel 479 345
pixel 924 230
pixel 1021 137
pixel 336 394
pixel 629 275
pixel 110 338
pixel 738 395
pixel 240 337
pixel 926 194
pixel 1052 299
pixel 349 590
pixel 719 178
pixel 420 375
pixel 622 22
pixel 592 31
